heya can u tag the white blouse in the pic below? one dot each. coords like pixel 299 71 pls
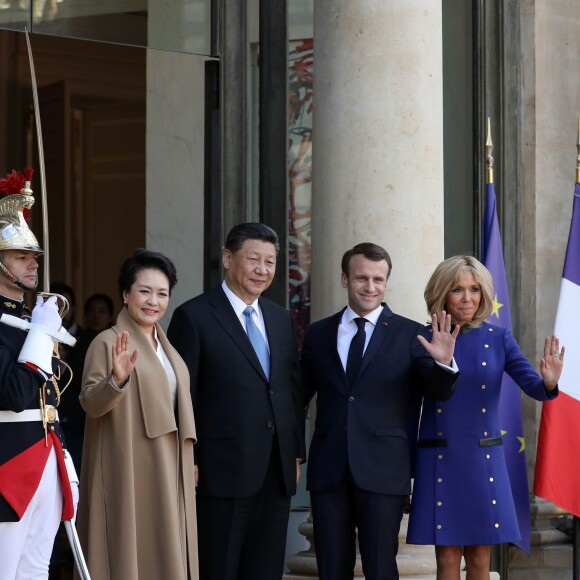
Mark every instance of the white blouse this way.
pixel 172 379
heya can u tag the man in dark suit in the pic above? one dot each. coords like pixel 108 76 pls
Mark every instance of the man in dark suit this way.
pixel 368 367
pixel 245 386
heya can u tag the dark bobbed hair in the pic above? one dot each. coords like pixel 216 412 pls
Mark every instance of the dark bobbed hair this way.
pixel 103 298
pixel 370 251
pixel 143 259
pixel 250 231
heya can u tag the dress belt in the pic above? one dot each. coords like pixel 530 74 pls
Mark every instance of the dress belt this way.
pixel 490 442
pixel 27 415
pixel 432 443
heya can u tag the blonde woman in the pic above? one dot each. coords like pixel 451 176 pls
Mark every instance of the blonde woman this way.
pixel 462 500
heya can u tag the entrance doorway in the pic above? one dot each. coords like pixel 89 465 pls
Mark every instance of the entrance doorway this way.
pixel 93 112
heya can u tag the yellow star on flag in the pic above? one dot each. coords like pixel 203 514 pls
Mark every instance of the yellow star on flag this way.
pixel 496 305
pixel 503 432
pixel 523 444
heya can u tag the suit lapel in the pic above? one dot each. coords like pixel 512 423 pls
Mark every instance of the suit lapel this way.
pixel 380 333
pixel 329 342
pixel 150 377
pixel 226 317
pixel 186 421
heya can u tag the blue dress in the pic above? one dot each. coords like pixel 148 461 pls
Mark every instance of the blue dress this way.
pixel 462 494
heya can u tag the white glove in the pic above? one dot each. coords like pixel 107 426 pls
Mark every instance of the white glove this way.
pixel 39 344
pixel 74 481
pixel 74 487
pixel 46 313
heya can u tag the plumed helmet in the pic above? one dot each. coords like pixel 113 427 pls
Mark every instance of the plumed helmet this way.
pixel 16 198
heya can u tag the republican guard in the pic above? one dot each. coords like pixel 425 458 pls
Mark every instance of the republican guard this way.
pixel 38 484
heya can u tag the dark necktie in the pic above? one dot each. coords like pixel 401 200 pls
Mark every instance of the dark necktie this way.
pixel 355 351
pixel 257 341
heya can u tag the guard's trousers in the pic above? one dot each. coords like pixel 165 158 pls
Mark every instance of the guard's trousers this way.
pixel 26 545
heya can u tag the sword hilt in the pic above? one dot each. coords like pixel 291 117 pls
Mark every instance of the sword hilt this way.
pixel 63 307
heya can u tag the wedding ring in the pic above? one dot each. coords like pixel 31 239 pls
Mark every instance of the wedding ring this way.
pixel 557 355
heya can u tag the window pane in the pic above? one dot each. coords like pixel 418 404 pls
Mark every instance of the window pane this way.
pixel 458 126
pixel 178 25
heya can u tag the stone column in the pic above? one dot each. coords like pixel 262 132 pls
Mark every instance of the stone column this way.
pixel 378 144
pixel 377 161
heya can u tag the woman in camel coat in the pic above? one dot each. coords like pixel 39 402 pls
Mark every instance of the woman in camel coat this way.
pixel 137 516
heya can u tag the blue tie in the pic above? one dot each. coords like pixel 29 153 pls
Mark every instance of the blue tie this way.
pixel 257 341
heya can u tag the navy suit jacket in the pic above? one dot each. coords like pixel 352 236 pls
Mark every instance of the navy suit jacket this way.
pixel 235 405
pixel 365 426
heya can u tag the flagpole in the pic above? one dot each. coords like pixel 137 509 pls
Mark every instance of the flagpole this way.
pixel 488 156
pixel 576 557
pixel 578 156
pixel 502 550
pixel 576 520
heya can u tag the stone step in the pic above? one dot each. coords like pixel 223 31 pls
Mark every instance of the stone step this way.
pixel 541 574
pixel 545 563
pixel 552 562
pixel 493 576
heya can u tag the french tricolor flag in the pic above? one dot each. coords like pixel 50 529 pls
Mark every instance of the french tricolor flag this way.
pixel 558 461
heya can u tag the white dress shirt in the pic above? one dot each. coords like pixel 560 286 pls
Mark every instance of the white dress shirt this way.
pixel 239 306
pixel 348 328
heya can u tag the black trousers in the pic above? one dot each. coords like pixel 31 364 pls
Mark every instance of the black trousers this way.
pixel 245 538
pixel 337 514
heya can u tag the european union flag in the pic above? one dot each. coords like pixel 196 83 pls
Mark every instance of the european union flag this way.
pixel 510 410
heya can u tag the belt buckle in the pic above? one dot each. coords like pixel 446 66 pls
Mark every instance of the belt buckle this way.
pixel 49 414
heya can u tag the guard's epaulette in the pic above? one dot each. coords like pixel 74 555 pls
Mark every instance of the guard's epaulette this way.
pixel 12 307
pixel 11 304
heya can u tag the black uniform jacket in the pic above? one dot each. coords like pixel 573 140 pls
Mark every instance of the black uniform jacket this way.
pixel 19 390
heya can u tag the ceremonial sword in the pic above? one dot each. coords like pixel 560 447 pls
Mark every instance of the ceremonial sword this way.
pixel 62 335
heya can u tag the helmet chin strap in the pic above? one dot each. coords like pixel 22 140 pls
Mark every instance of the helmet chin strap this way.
pixel 14 279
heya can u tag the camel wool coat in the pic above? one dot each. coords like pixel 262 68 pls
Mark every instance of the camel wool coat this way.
pixel 137 517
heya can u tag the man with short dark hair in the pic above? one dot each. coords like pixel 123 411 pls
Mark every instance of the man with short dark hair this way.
pixel 245 386
pixel 368 367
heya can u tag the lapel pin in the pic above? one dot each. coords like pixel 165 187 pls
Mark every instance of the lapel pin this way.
pixel 385 323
